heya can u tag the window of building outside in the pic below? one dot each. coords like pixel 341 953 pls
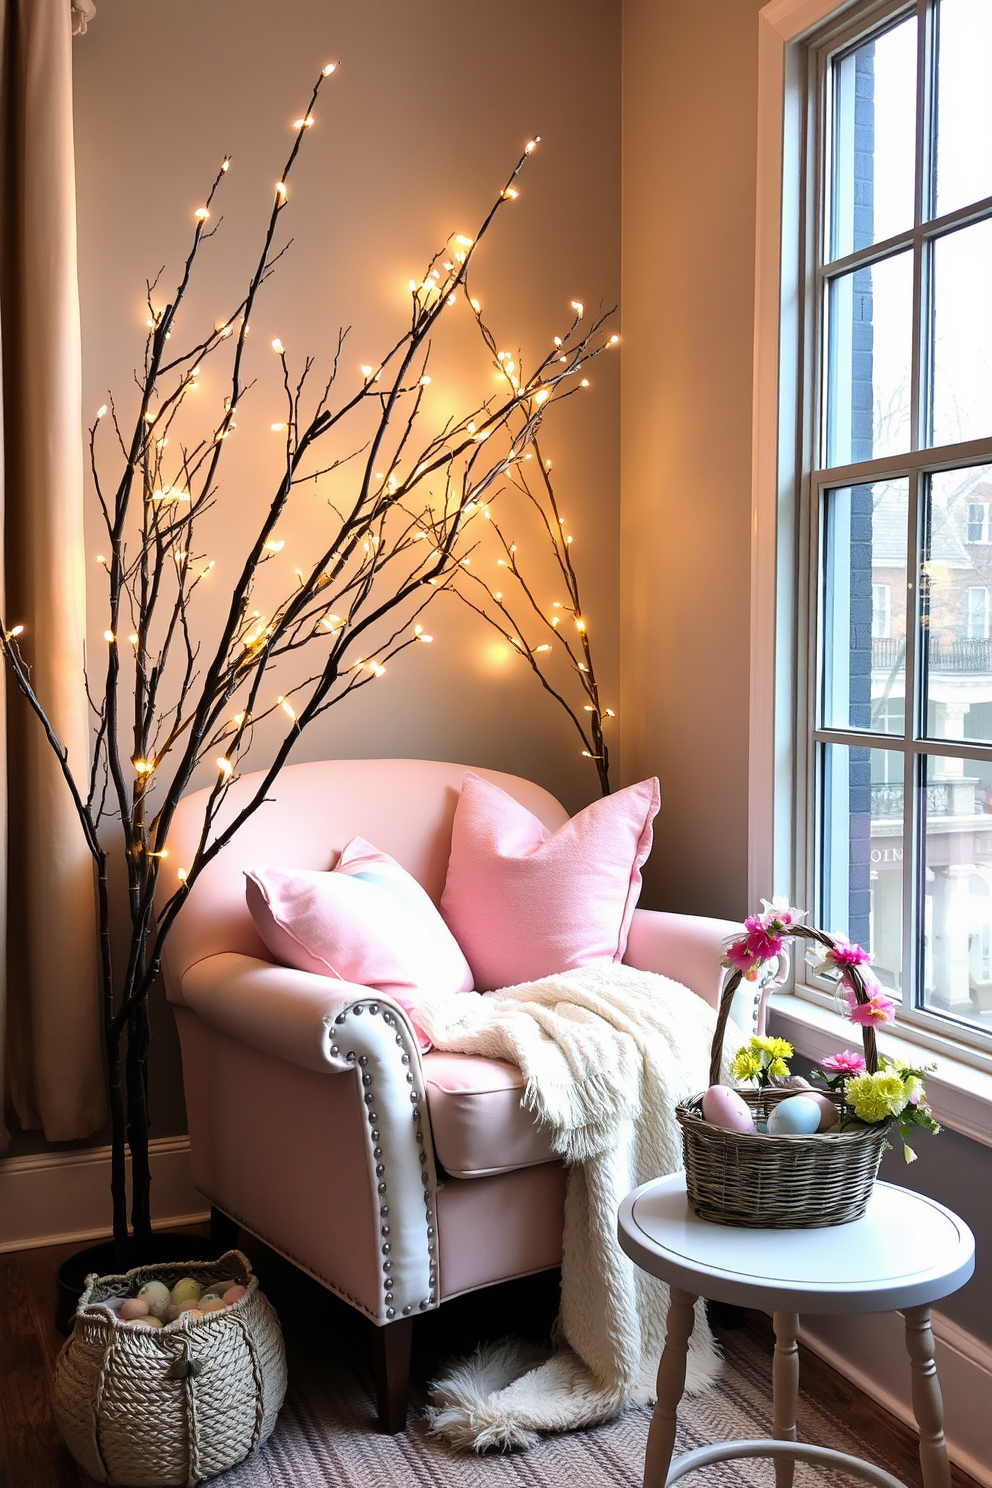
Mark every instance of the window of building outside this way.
pixel 899 720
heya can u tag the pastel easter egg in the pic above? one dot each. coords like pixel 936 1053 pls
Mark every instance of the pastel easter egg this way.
pixel 212 1304
pixel 799 1116
pixel 171 1313
pixel 725 1107
pixel 186 1290
pixel 134 1307
pixel 193 1312
pixel 156 1294
pixel 212 1294
pixel 829 1114
pixel 192 1306
pixel 148 1321
pixel 234 1294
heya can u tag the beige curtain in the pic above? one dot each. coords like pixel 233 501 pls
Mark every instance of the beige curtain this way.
pixel 53 1041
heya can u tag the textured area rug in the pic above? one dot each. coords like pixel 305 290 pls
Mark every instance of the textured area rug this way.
pixel 326 1437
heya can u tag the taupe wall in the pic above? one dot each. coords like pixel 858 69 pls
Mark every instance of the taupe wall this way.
pixel 689 161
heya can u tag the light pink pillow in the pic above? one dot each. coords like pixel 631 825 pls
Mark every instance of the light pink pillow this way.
pixel 523 902
pixel 368 921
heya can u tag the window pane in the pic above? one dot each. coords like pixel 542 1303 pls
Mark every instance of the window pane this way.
pixel 964 103
pixel 874 133
pixel 962 353
pixel 861 795
pixel 957 970
pixel 956 592
pixel 863 606
pixel 869 351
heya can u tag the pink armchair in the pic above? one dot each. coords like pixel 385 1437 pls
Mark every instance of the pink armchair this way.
pixel 397 1180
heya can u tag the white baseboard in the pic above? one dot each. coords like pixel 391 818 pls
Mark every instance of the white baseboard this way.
pixel 53 1198
pixel 870 1352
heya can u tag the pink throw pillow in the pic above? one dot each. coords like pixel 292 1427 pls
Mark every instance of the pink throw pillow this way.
pixel 523 902
pixel 368 921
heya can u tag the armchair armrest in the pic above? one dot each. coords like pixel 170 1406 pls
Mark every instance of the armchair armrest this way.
pixel 338 1028
pixel 289 1014
pixel 686 948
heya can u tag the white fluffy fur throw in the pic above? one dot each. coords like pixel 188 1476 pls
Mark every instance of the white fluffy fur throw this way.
pixel 606 1052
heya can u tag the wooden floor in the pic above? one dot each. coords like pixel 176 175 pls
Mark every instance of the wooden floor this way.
pixel 32 1454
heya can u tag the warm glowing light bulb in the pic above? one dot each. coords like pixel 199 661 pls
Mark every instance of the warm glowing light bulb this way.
pixel 475 306
pixel 224 766
pixel 425 382
pixel 181 874
pixel 225 165
pixel 465 242
pixel 134 638
pixel 326 71
pixel 306 123
pixel 278 347
pixel 366 371
pixel 532 144
pixel 610 713
pixel 510 194
pixel 614 340
pixel 101 410
pixel 201 214
pixel 543 648
pixel 281 190
pixel 101 559
pixel 287 708
pixel 17 630
pixel 584 382
pixel 108 636
pixel 277 429
pixel 578 308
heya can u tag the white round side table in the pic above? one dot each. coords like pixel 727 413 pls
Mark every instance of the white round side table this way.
pixel 907 1252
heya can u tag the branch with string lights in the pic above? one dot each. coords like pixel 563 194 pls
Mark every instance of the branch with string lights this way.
pixel 176 695
pixel 503 612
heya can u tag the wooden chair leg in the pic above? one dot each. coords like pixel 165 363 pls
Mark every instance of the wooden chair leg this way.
pixel 224 1231
pixel 391 1366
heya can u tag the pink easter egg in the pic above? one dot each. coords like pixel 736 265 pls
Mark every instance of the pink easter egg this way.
pixel 725 1107
pixel 192 1312
pixel 830 1116
pixel 213 1304
pixel 234 1294
pixel 189 1307
pixel 134 1307
pixel 171 1312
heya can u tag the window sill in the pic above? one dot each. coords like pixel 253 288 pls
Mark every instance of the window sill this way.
pixel 959 1094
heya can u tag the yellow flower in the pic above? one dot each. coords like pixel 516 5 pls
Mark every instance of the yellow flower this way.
pixel 876 1097
pixel 778 1067
pixel 746 1065
pixel 777 1048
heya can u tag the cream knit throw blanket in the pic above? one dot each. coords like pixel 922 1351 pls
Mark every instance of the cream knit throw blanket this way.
pixel 606 1052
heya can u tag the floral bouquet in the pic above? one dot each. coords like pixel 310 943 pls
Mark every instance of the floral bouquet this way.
pixel 871 1089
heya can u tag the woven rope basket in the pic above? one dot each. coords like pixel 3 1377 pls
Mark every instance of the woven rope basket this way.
pixel 759 1181
pixel 167 1408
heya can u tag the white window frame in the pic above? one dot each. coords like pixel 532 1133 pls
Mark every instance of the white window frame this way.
pixel 781 459
pixel 978 613
pixel 881 612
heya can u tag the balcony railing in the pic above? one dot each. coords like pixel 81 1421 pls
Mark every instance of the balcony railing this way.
pixel 944 798
pixel 889 654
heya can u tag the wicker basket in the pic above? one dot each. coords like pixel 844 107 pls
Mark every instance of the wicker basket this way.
pixel 167 1408
pixel 779 1182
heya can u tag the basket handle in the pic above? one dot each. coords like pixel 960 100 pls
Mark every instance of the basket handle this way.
pixel 857 982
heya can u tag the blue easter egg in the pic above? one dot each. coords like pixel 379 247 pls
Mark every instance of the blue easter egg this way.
pixel 796 1117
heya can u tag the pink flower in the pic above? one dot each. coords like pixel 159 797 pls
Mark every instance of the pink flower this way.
pixel 845 1063
pixel 844 955
pixel 763 940
pixel 740 957
pixel 878 1009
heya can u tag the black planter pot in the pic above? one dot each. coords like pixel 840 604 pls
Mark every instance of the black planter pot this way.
pixel 165 1247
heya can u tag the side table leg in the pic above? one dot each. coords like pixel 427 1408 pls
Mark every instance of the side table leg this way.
pixel 928 1407
pixel 671 1384
pixel 785 1390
